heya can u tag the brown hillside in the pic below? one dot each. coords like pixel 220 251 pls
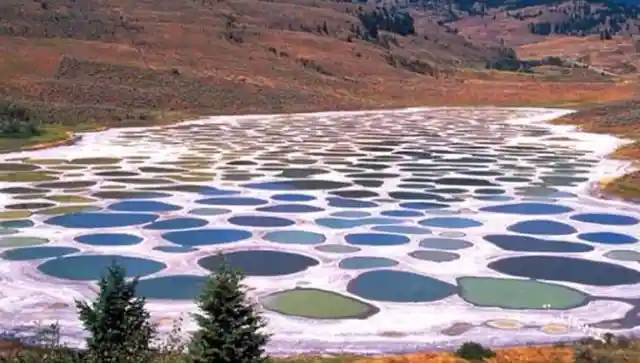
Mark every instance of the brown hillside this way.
pixel 133 60
pixel 620 55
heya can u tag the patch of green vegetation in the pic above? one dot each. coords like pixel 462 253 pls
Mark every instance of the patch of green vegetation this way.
pixel 21 128
pixel 474 352
pixel 17 121
pixel 48 134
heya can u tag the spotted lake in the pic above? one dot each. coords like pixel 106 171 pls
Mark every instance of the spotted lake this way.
pixel 386 231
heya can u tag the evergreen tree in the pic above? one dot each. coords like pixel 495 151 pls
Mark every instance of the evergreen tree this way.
pixel 118 323
pixel 229 326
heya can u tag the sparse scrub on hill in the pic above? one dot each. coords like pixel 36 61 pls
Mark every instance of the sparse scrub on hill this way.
pixel 391 20
pixel 507 60
pixel 610 349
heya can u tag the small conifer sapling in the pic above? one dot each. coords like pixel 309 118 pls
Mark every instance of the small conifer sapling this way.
pixel 230 328
pixel 117 321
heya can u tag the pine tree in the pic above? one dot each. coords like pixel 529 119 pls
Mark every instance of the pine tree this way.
pixel 118 323
pixel 229 326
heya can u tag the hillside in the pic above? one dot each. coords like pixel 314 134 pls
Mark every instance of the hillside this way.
pixel 616 55
pixel 141 61
pixel 521 22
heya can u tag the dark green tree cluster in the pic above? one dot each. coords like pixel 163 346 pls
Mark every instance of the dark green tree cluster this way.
pixel 574 17
pixel 392 20
pixel 585 19
pixel 17 121
pixel 506 59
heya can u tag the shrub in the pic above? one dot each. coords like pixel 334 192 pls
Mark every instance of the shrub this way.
pixel 474 352
pixel 229 326
pixel 117 321
pixel 17 121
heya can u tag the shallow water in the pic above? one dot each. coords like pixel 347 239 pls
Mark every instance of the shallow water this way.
pixel 398 214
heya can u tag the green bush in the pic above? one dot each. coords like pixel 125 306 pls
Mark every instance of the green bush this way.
pixel 473 351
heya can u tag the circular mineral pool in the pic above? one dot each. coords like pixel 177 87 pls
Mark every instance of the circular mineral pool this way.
pixel 623 255
pixel 450 222
pixel 100 220
pixel 175 249
pixel 295 237
pixel 232 201
pixel 129 194
pixel 109 239
pixel 442 243
pixel 401 213
pixel 376 239
pixel 306 184
pixel 351 214
pixel 293 197
pixel 610 238
pixel 177 223
pixel 518 294
pixel 542 227
pixel 92 267
pixel 143 206
pixel 260 221
pixel 290 208
pixel 528 209
pixel 210 236
pixel 37 253
pixel 423 205
pixel 434 256
pixel 358 263
pixel 175 287
pixel 350 203
pixel 557 268
pixel 22 241
pixel 345 223
pixel 261 262
pixel 399 286
pixel 606 219
pixel 515 242
pixel 336 248
pixel 209 211
pixel 399 229
pixel 17 224
pixel 317 304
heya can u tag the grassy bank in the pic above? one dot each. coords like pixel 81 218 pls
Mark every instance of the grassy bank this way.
pixel 49 135
pixel 620 118
pixel 611 350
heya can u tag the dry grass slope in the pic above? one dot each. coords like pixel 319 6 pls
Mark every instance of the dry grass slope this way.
pixel 127 62
pixel 620 118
